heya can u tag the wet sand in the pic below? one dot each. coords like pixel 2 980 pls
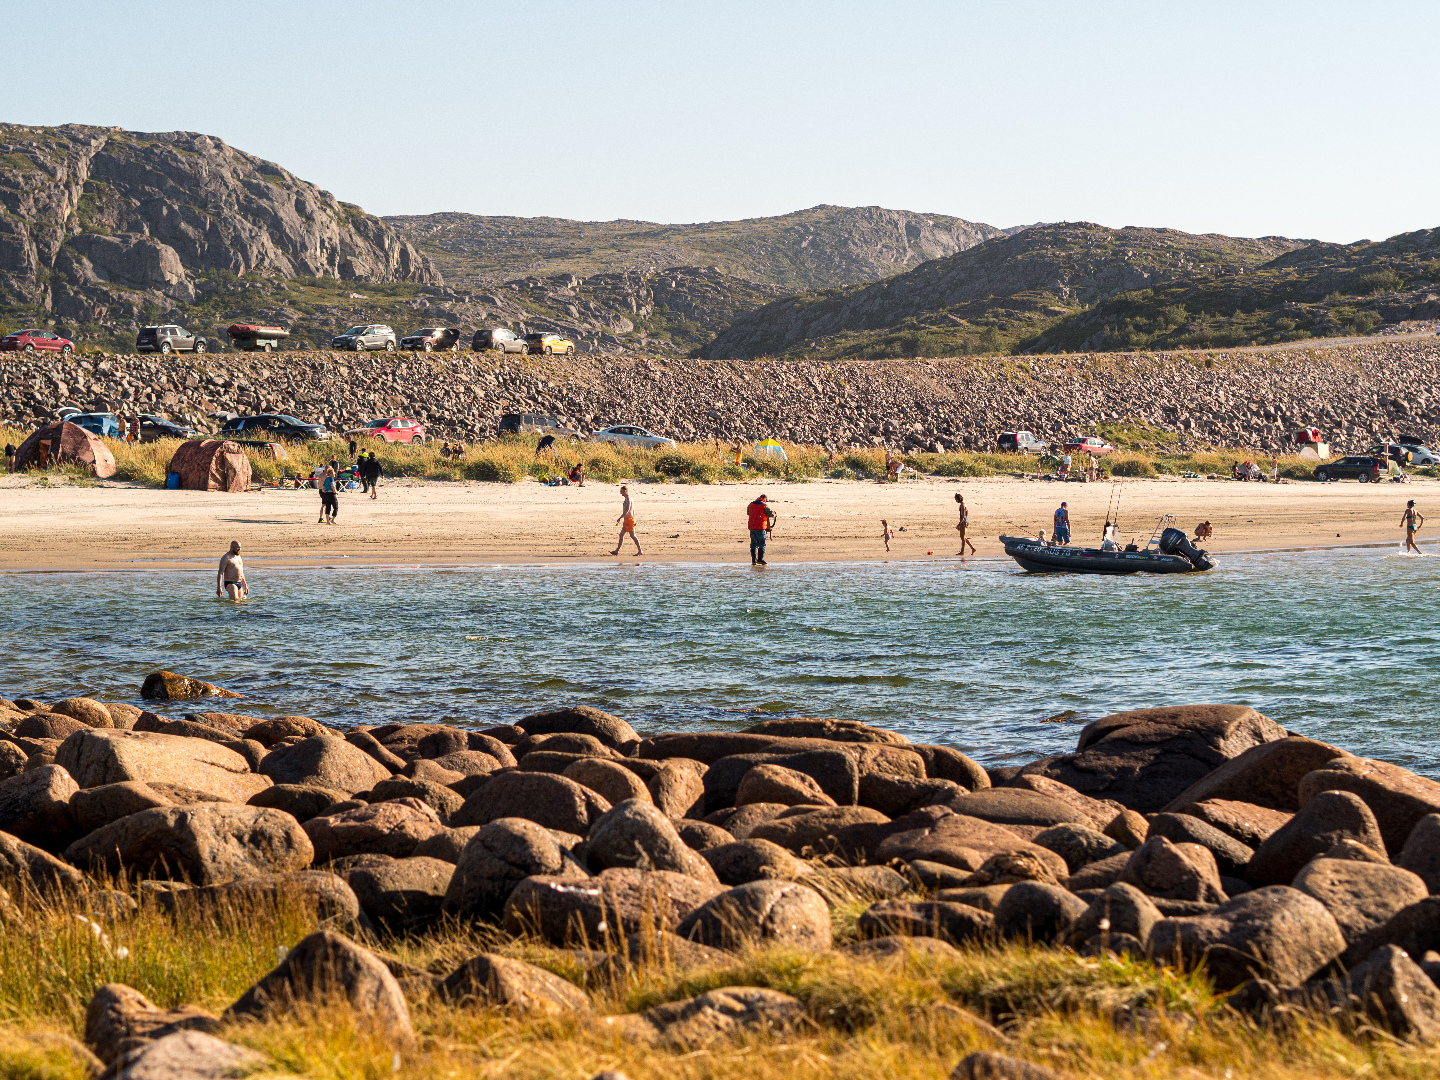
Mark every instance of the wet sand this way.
pixel 111 526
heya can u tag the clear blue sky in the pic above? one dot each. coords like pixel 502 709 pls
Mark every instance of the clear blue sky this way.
pixel 1302 119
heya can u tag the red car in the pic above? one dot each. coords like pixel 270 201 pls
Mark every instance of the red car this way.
pixel 31 341
pixel 396 429
pixel 1091 444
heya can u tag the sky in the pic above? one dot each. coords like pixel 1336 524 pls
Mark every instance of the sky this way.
pixel 1310 120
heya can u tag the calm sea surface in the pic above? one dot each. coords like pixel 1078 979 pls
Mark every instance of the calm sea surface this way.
pixel 1342 645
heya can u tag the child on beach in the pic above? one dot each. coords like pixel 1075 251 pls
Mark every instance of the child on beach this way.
pixel 888 534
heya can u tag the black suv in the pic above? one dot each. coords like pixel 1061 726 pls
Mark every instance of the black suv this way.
pixel 271 426
pixel 1362 467
pixel 432 338
pixel 168 339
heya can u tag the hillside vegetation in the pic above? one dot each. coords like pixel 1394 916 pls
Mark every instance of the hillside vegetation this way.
pixel 816 248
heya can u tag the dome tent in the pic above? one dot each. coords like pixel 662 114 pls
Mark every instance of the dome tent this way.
pixel 772 449
pixel 64 443
pixel 211 465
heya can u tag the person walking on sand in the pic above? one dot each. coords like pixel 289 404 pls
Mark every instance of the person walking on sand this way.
pixel 372 473
pixel 761 520
pixel 887 535
pixel 626 521
pixel 963 525
pixel 1274 469
pixel 1412 519
pixel 329 504
pixel 231 575
pixel 1062 524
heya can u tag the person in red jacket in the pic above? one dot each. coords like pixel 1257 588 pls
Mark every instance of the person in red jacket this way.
pixel 762 520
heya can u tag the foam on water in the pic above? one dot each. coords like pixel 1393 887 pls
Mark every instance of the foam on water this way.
pixel 1339 645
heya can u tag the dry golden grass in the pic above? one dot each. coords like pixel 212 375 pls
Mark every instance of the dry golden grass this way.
pixel 912 1017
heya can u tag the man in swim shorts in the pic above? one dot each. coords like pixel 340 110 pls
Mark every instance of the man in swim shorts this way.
pixel 626 521
pixel 1062 524
pixel 1412 519
pixel 232 574
pixel 761 520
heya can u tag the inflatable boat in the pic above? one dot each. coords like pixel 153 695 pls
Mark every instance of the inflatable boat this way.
pixel 247 337
pixel 1168 552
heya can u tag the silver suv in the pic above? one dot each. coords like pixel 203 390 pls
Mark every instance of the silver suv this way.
pixel 365 338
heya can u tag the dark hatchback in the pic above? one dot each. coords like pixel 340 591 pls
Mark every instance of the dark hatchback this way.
pixel 272 426
pixel 432 339
pixel 1362 467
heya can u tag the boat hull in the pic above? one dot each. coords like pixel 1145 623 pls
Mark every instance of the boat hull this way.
pixel 1040 559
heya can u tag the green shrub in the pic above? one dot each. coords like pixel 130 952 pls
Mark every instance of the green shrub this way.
pixel 1378 282
pixel 492 471
pixel 864 465
pixel 843 473
pixel 954 465
pixel 673 463
pixel 1132 467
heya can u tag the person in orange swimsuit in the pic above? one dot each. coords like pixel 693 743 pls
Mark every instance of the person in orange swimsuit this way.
pixel 626 521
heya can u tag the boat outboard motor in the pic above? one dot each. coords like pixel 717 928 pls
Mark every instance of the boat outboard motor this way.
pixel 1174 542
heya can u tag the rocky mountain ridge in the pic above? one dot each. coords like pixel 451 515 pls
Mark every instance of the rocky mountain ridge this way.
pixel 820 247
pixel 1008 284
pixel 104 226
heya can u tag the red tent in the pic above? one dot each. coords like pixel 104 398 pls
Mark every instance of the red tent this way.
pixel 211 465
pixel 64 443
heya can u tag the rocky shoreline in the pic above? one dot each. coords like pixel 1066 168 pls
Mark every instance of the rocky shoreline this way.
pixel 1244 399
pixel 1299 876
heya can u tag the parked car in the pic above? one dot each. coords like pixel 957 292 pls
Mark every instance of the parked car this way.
pixel 158 427
pixel 270 427
pixel 1091 444
pixel 549 343
pixel 432 339
pixel 106 425
pixel 1021 442
pixel 394 429
pixel 365 338
pixel 1417 454
pixel 1362 467
pixel 633 436
pixel 169 339
pixel 33 341
pixel 498 339
pixel 536 423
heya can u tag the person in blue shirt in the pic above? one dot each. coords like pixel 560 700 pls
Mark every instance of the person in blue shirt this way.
pixel 1062 524
pixel 329 504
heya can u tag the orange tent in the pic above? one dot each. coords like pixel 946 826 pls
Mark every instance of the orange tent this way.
pixel 211 465
pixel 64 443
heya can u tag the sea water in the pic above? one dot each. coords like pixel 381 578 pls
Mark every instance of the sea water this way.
pixel 1340 645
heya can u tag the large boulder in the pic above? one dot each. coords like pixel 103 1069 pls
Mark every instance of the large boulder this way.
pixel 677 787
pixel 833 771
pixel 963 842
pixel 119 1019
pixel 88 711
pixel 843 830
pixel 325 967
pixel 635 833
pixel 1326 819
pixel 300 801
pixel 947 920
pixel 769 783
pixel 186 1055
pixel 1267 775
pixel 1421 853
pixel 388 828
pixel 1145 758
pixel 1097 813
pixel 1397 797
pixel 93 808
pixel 1161 868
pixel 35 806
pixel 896 796
pixel 806 727
pixel 1250 824
pixel 988 1065
pixel 617 903
pixel 106 756
pixel 1017 807
pixel 743 861
pixel 1360 895
pixel 500 855
pixel 609 779
pixel 584 720
pixel 544 798
pixel 1231 856
pixel 321 894
pixel 491 980
pixel 324 761
pixel 1120 910
pixel 1035 911
pixel 204 844
pixel 49 726
pixel 26 870
pixel 716 1016
pixel 399 894
pixel 270 732
pixel 782 912
pixel 1275 933
pixel 1415 928
pixel 168 686
pixel 947 763
pixel 1078 845
pixel 439 798
pixel 1393 990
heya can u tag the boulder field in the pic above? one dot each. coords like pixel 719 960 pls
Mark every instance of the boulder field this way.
pixel 1196 836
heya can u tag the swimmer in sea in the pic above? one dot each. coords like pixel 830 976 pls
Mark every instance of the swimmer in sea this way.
pixel 232 575
pixel 1412 519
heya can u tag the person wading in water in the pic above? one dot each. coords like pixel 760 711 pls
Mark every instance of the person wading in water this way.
pixel 1412 519
pixel 761 520
pixel 232 574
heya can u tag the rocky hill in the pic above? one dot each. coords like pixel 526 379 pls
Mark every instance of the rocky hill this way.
pixel 989 296
pixel 817 248
pixel 107 229
pixel 1321 290
pixel 1252 400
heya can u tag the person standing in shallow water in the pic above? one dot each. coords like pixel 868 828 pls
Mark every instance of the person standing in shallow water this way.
pixel 1412 519
pixel 761 520
pixel 626 521
pixel 963 525
pixel 231 575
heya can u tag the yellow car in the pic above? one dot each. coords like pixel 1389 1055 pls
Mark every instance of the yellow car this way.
pixel 549 343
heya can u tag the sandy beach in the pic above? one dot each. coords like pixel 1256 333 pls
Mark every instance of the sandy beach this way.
pixel 111 526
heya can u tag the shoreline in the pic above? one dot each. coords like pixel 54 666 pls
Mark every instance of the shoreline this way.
pixel 466 523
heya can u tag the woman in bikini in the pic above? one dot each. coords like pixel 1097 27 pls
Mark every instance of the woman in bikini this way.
pixel 963 525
